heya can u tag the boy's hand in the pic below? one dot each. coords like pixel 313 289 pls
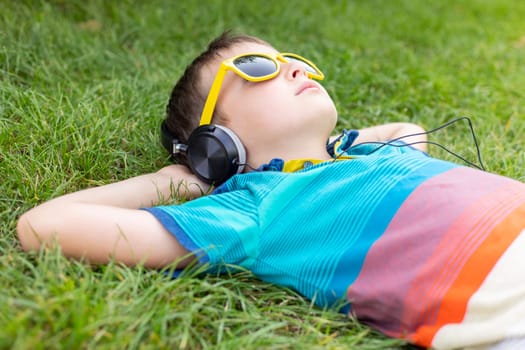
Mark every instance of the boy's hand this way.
pixel 185 185
pixel 391 131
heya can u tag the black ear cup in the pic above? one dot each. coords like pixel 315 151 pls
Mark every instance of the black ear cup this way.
pixel 214 152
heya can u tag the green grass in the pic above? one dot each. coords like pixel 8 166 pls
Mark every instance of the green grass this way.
pixel 83 87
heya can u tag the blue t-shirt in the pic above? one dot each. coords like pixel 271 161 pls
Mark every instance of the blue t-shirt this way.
pixel 407 240
pixel 309 230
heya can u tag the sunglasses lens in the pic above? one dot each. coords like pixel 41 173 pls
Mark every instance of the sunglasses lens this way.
pixel 255 66
pixel 307 66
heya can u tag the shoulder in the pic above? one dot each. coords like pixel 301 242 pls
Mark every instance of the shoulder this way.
pixel 256 182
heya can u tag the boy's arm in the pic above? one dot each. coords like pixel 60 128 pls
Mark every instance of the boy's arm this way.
pixel 102 223
pixel 390 131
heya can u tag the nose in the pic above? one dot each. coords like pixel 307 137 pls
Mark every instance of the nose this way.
pixel 294 70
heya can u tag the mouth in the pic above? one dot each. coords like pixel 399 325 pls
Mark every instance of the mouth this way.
pixel 308 85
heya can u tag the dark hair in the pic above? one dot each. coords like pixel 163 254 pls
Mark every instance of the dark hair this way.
pixel 188 96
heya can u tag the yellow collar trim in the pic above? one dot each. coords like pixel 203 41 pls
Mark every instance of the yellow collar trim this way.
pixel 294 165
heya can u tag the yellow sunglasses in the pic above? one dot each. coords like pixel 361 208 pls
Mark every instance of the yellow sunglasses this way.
pixel 253 67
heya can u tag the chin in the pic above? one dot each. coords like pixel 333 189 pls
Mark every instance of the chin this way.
pixel 331 118
pixel 333 121
pixel 330 112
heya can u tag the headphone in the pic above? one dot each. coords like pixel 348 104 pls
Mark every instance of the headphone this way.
pixel 214 152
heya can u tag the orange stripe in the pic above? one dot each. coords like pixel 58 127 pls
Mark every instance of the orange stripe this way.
pixel 454 303
pixel 444 265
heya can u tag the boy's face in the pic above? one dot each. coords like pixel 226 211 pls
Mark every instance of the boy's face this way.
pixel 269 116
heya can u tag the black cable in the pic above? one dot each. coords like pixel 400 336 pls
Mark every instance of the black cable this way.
pixel 480 167
pixel 390 142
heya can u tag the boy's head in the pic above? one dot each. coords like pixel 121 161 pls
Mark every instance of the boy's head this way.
pixel 283 117
pixel 189 93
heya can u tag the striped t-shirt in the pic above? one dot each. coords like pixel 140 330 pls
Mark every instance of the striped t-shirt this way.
pixel 418 248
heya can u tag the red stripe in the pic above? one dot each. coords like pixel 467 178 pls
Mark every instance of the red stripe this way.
pixel 390 291
pixel 468 269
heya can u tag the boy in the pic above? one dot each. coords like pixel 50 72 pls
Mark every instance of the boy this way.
pixel 422 249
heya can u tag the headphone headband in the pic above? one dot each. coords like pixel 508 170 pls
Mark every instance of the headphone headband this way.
pixel 168 139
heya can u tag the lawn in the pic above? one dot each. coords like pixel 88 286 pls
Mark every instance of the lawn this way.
pixel 83 88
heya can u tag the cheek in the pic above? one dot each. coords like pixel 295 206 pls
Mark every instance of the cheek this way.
pixel 254 105
pixel 255 123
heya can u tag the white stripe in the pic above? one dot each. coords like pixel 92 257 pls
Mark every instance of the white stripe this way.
pixel 496 311
pixel 510 344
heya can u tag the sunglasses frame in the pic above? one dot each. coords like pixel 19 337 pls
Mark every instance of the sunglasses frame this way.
pixel 229 65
